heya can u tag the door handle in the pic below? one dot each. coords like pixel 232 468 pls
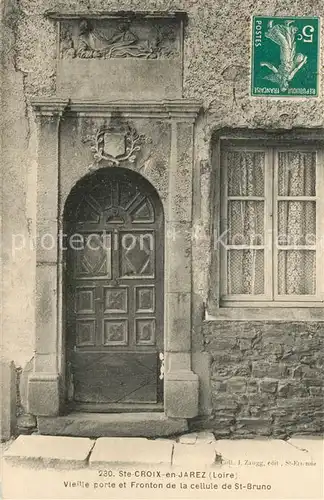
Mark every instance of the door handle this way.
pixel 99 300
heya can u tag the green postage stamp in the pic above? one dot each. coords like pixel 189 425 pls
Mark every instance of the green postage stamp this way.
pixel 285 56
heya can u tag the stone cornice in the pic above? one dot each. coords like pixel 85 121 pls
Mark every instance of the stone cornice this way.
pixel 178 110
pixel 59 16
pixel 181 109
pixel 49 106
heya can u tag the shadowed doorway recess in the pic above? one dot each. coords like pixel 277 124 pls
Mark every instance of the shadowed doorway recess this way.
pixel 114 293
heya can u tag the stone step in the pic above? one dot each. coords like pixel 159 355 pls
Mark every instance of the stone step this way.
pixel 134 451
pixel 75 452
pixel 94 425
pixel 48 473
pixel 49 451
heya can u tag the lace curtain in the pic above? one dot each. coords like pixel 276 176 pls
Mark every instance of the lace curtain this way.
pixel 296 224
pixel 245 217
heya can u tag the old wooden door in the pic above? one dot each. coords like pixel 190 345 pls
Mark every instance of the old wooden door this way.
pixel 114 285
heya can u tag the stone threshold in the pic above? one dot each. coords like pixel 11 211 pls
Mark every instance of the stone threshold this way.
pixel 190 450
pixel 76 452
pixel 96 425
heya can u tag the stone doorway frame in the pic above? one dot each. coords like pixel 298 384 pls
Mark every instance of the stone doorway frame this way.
pixel 47 381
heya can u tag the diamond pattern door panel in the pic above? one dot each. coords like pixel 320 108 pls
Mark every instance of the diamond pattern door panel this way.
pixel 114 276
pixel 92 255
pixel 137 255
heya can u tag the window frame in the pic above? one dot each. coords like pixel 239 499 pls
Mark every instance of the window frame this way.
pixel 271 148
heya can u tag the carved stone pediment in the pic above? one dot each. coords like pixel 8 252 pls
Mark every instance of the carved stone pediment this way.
pixel 119 56
pixel 119 38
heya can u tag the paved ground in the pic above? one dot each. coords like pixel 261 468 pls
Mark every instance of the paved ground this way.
pixel 193 466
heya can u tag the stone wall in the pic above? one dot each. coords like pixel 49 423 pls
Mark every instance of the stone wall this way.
pixel 216 70
pixel 266 377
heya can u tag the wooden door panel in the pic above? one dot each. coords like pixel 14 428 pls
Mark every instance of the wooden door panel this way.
pixel 115 332
pixel 115 275
pixel 137 254
pixel 116 377
pixel 92 255
pixel 145 299
pixel 145 331
pixel 85 332
pixel 115 300
pixel 85 300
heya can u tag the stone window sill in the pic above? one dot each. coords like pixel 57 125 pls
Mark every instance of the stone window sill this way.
pixel 266 314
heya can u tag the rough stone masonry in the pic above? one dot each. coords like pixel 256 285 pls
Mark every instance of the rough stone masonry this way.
pixel 265 377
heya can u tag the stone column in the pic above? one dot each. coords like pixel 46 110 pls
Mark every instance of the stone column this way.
pixel 44 388
pixel 181 384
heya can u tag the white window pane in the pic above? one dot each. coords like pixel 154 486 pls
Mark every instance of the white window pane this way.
pixel 245 272
pixel 297 272
pixel 245 222
pixel 296 223
pixel 296 173
pixel 245 173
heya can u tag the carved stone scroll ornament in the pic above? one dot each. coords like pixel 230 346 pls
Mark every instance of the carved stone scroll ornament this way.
pixel 114 145
pixel 123 42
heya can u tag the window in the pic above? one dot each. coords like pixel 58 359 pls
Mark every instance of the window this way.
pixel 271 226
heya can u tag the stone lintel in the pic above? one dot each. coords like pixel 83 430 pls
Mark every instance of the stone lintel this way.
pixel 178 110
pixel 120 14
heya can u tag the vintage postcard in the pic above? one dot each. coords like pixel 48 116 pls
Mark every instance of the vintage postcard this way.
pixel 162 222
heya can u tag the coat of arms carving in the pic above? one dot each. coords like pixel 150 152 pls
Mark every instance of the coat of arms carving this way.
pixel 115 145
